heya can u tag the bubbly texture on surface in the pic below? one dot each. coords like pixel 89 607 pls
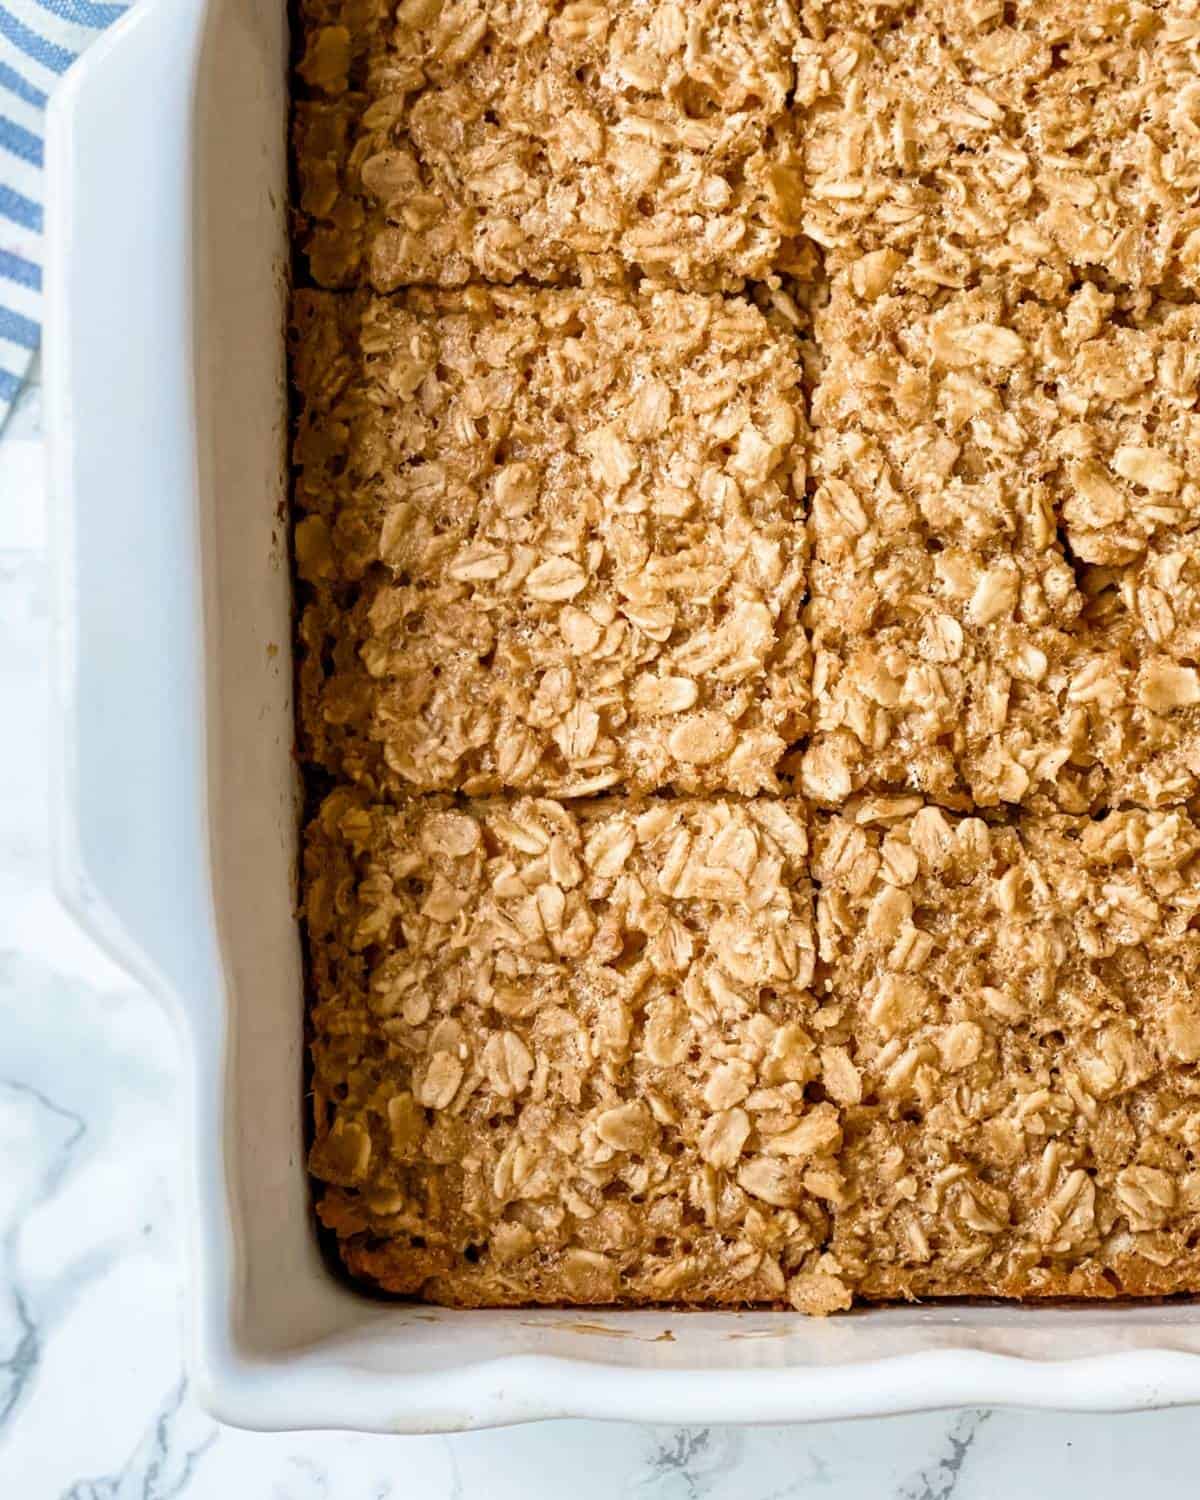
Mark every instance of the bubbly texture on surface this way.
pixel 747 526
pixel 555 539
pixel 563 140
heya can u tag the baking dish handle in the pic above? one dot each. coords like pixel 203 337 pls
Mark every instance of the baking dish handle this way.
pixel 128 692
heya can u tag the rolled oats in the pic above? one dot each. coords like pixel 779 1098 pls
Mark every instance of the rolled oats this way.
pixel 556 139
pixel 1028 1104
pixel 527 574
pixel 564 547
pixel 1039 142
pixel 603 1095
pixel 1000 479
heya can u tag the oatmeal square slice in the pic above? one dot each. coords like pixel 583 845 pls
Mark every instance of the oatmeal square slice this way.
pixel 562 140
pixel 999 480
pixel 1040 141
pixel 1020 1007
pixel 561 1051
pixel 555 540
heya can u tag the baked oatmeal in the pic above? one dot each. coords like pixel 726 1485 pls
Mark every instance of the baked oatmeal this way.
pixel 555 538
pixel 563 140
pixel 562 1050
pixel 748 539
pixel 1039 140
pixel 1018 1004
pixel 999 482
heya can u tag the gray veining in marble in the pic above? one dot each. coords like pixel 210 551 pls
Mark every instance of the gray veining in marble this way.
pixel 94 1403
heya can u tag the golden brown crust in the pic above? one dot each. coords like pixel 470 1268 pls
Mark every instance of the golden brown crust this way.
pixel 1123 1277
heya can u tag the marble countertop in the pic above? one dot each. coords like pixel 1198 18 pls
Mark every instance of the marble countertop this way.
pixel 94 1401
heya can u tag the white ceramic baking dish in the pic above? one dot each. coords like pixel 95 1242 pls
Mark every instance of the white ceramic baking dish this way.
pixel 176 809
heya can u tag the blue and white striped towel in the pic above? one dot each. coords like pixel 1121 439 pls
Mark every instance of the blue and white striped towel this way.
pixel 39 40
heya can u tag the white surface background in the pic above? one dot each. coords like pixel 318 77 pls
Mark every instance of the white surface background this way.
pixel 94 1404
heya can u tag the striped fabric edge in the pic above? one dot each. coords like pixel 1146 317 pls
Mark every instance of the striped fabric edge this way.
pixel 39 40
